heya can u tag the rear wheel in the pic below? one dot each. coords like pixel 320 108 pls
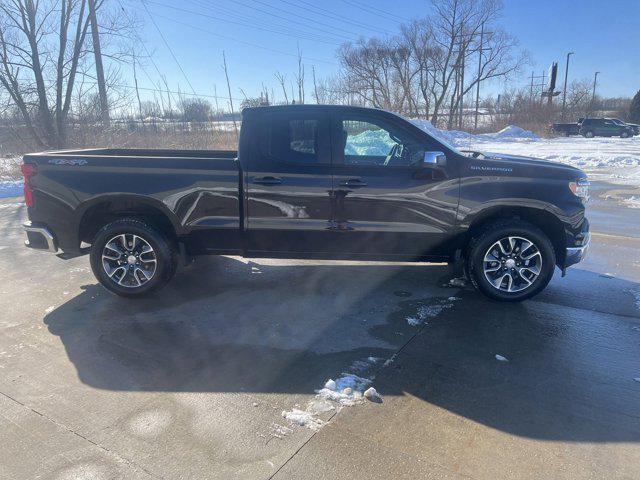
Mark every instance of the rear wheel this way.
pixel 131 258
pixel 510 260
pixel 588 134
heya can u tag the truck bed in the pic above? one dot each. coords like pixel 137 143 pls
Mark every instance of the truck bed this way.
pixel 192 188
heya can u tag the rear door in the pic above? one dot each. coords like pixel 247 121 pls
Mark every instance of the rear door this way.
pixel 289 183
pixel 386 201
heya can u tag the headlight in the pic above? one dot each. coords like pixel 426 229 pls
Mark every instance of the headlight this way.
pixel 580 189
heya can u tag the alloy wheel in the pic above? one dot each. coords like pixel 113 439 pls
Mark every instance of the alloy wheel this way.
pixel 512 264
pixel 129 260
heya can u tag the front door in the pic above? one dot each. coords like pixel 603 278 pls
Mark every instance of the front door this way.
pixel 288 184
pixel 386 201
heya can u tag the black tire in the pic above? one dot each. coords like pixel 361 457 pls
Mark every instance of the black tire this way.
pixel 479 247
pixel 163 253
pixel 624 134
pixel 589 134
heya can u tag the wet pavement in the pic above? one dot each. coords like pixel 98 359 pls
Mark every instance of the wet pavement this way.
pixel 192 383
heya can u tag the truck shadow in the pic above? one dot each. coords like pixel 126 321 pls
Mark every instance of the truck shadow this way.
pixel 230 326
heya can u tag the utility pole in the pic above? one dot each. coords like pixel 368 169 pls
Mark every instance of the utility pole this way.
pixel 226 74
pixel 135 80
pixel 460 122
pixel 97 53
pixel 475 123
pixel 564 91
pixel 593 95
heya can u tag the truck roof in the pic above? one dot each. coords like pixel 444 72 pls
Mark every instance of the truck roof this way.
pixel 303 107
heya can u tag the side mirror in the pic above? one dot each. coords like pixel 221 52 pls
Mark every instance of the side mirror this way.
pixel 434 158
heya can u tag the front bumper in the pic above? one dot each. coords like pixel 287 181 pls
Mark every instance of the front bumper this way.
pixel 40 237
pixel 574 255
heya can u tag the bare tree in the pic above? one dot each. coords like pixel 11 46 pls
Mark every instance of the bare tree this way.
pixel 43 51
pixel 300 77
pixel 97 53
pixel 281 80
pixel 428 65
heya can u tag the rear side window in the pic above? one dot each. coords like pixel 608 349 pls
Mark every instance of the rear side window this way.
pixel 292 140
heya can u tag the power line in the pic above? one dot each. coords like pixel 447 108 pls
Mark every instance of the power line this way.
pixel 374 10
pixel 302 28
pixel 149 89
pixel 255 45
pixel 168 46
pixel 244 24
pixel 314 22
pixel 330 14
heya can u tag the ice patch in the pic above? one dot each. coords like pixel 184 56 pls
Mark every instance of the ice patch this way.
pixel 303 418
pixel 429 311
pixel 279 431
pixel 500 358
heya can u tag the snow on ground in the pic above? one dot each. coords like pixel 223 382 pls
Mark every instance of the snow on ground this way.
pixel 10 182
pixel 345 391
pixel 429 311
pixel 611 159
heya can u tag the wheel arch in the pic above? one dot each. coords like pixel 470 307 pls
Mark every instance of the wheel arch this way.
pixel 546 221
pixel 94 214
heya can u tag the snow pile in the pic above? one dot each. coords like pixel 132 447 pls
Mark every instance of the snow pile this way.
pixel 511 132
pixel 345 391
pixel 500 358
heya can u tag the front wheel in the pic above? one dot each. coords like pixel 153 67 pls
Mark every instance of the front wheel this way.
pixel 131 258
pixel 588 134
pixel 624 135
pixel 510 261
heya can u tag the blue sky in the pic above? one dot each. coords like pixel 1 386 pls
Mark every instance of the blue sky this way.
pixel 261 37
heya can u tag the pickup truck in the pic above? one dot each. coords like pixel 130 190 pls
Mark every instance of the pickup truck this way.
pixel 566 129
pixel 310 181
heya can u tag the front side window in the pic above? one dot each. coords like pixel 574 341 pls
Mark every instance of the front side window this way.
pixel 373 144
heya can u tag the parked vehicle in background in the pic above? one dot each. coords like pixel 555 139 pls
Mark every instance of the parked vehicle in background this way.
pixel 635 127
pixel 311 181
pixel 604 127
pixel 566 129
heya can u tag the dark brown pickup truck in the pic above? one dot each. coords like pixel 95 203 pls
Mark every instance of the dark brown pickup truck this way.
pixel 324 182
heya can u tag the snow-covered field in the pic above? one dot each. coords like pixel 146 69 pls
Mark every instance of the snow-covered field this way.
pixel 611 159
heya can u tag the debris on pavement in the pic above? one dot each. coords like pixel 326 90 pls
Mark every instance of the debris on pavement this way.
pixel 372 395
pixel 500 358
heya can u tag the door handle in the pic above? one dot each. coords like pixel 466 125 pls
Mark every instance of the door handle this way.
pixel 268 180
pixel 353 183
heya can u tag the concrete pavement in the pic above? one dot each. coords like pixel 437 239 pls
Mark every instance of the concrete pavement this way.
pixel 192 383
